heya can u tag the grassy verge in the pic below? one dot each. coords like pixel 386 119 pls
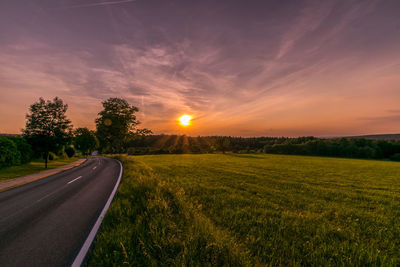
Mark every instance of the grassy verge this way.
pixel 151 223
pixel 32 167
pixel 252 210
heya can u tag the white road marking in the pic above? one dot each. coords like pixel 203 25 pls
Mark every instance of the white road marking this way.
pixel 29 206
pixel 52 193
pixel 39 200
pixel 94 167
pixel 89 240
pixel 75 179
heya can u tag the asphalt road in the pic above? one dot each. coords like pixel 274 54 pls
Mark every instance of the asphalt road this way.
pixel 46 222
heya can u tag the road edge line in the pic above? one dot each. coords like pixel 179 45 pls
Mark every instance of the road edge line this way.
pixel 89 240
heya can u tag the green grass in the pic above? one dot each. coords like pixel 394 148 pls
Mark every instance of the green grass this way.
pixel 32 167
pixel 253 210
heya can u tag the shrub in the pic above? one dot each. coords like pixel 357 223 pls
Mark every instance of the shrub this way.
pixel 52 156
pixel 130 151
pixel 62 154
pixel 9 154
pixel 70 151
pixel 24 149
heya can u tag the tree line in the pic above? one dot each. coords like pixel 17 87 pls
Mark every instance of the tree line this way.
pixel 48 132
pixel 311 146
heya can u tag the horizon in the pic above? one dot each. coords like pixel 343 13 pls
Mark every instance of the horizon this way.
pixel 264 136
pixel 277 68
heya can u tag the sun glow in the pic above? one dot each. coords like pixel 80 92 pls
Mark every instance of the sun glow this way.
pixel 184 120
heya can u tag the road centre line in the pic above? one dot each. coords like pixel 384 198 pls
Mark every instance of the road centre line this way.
pixel 37 201
pixel 79 177
pixel 52 193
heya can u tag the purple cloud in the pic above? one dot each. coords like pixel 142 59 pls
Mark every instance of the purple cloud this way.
pixel 305 67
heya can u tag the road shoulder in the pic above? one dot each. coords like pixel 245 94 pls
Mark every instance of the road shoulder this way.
pixel 36 176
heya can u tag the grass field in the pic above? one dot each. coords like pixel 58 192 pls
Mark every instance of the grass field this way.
pixel 243 210
pixel 32 167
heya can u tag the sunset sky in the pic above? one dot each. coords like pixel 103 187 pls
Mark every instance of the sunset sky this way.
pixel 241 68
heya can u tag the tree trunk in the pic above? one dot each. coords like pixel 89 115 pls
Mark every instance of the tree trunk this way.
pixel 45 160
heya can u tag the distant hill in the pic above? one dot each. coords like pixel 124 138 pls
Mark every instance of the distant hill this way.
pixel 378 137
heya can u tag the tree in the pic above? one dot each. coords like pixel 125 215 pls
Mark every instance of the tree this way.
pixel 47 127
pixel 85 140
pixel 222 144
pixel 116 124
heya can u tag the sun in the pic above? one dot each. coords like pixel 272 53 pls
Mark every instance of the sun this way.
pixel 184 120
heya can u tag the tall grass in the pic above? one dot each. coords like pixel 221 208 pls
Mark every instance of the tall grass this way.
pixel 151 223
pixel 253 210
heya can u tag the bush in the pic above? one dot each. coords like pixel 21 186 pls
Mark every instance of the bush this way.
pixel 130 151
pixel 62 154
pixel 395 157
pixel 9 154
pixel 52 156
pixel 24 149
pixel 70 151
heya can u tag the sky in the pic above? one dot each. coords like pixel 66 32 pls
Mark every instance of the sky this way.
pixel 240 68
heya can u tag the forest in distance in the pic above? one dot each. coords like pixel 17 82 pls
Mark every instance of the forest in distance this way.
pixel 312 146
pixel 116 132
pixel 17 151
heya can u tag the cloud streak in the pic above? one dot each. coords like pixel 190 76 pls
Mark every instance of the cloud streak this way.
pixel 298 68
pixel 107 3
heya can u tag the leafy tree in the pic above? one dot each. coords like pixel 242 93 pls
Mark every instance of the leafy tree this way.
pixel 47 127
pixel 85 140
pixel 116 124
pixel 222 144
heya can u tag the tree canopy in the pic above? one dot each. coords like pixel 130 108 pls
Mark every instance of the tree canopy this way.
pixel 47 127
pixel 116 124
pixel 222 144
pixel 85 140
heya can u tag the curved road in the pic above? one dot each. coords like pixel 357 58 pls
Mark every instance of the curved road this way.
pixel 46 222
